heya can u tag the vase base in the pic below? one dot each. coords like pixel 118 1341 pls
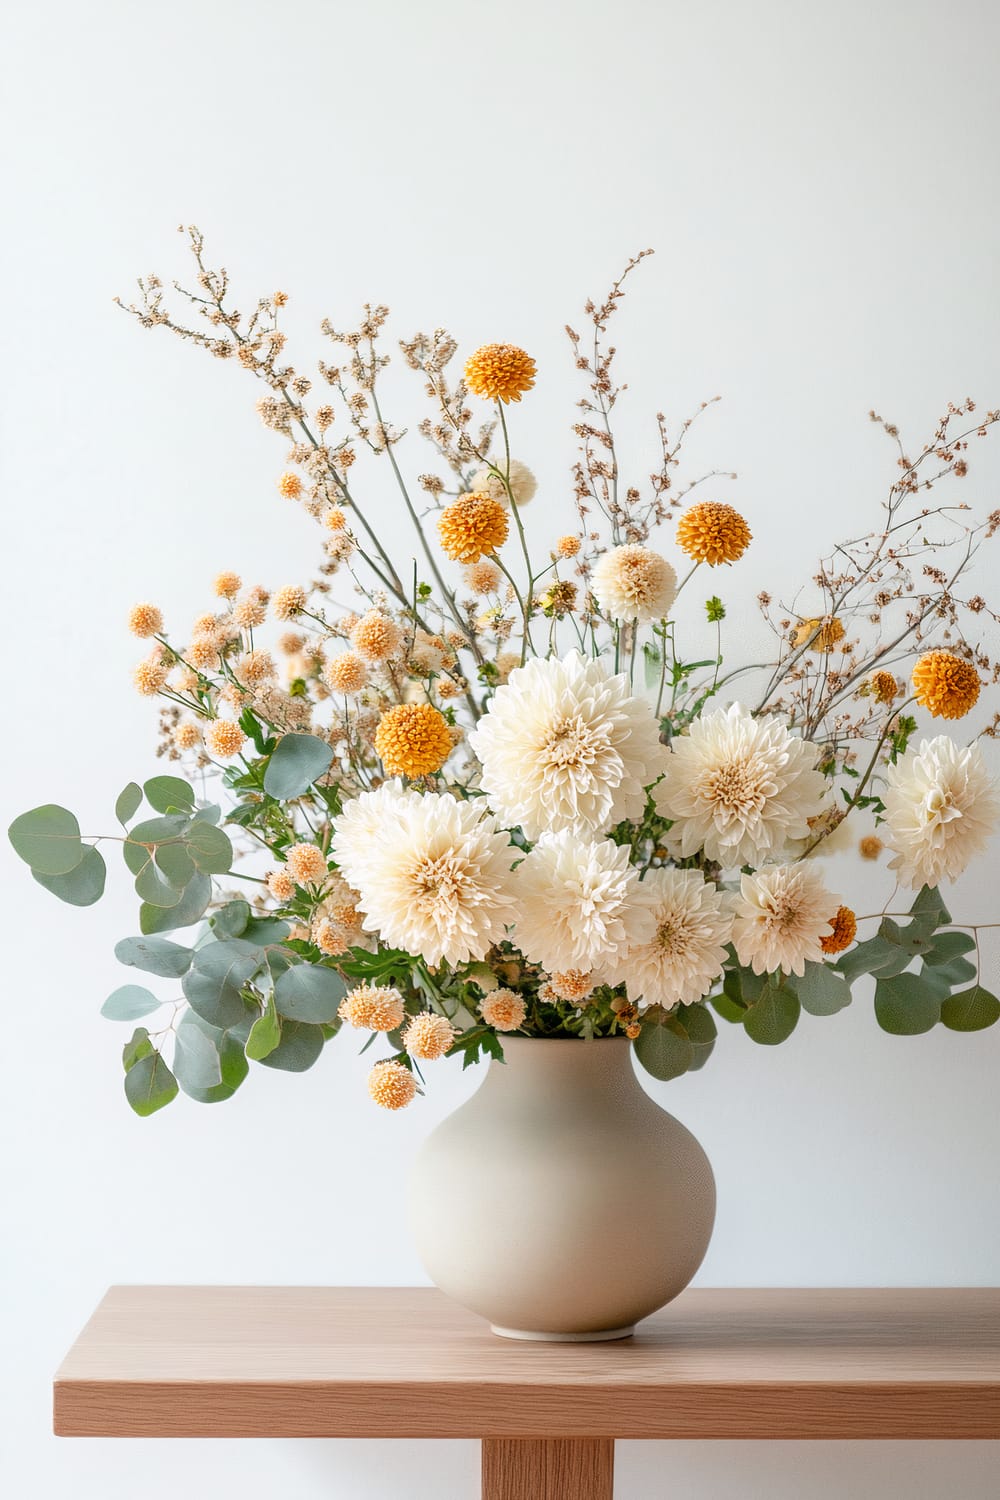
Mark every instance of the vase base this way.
pixel 600 1336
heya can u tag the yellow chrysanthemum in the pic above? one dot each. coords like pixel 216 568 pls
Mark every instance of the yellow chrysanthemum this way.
pixel 428 1036
pixel 391 1085
pixel 347 673
pixel 500 372
pixel 227 585
pixel 883 686
pixel 145 620
pixel 224 738
pixel 290 485
pixel 822 635
pixel 473 526
pixel 844 929
pixel 945 684
pixel 412 739
pixel 372 1007
pixel 713 533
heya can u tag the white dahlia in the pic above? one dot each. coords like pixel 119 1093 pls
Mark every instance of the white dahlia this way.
pixel 679 963
pixel 742 789
pixel 363 819
pixel 433 874
pixel 634 583
pixel 579 905
pixel 523 483
pixel 566 746
pixel 780 915
pixel 941 807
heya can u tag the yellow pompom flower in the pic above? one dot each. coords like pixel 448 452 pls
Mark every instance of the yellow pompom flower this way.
pixel 883 686
pixel 473 526
pixel 288 602
pixel 391 1085
pixel 504 1010
pixel 224 738
pixel 844 929
pixel 412 739
pixel 150 676
pixel 428 1036
pixel 335 520
pixel 290 485
pixel 347 673
pixel 713 533
pixel 372 1007
pixel 145 620
pixel 567 546
pixel 376 636
pixel 306 864
pixel 945 684
pixel 821 635
pixel 227 585
pixel 500 372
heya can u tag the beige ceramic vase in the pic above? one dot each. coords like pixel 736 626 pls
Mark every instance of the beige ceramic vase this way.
pixel 559 1201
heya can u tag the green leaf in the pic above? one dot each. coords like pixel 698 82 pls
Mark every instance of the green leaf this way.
pixel 155 955
pixel 295 764
pixel 166 792
pixel 699 1023
pixel 128 804
pixel 265 930
pixel 137 1047
pixel 774 1017
pixel 210 849
pixel 196 1060
pixel 729 1009
pixel 949 945
pixel 159 830
pixel 298 1049
pixel 651 660
pixel 821 991
pixel 265 1034
pixel 930 904
pixel 48 839
pixel 83 885
pixel 217 975
pixel 664 1049
pixel 957 971
pixel 905 1005
pixel 190 908
pixel 309 992
pixel 175 863
pixel 971 1010
pixel 230 920
pixel 209 814
pixel 136 856
pixel 153 887
pixel 876 956
pixel 149 1084
pixel 129 1003
pixel 914 939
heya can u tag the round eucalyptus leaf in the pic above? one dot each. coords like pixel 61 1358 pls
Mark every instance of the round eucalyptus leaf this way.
pixel 128 804
pixel 295 763
pixel 971 1010
pixel 175 863
pixel 210 849
pixel 230 920
pixel 153 887
pixel 774 1017
pixel 48 839
pixel 149 1084
pixel 821 990
pixel 159 830
pixel 905 1005
pixel 298 1049
pixel 309 992
pixel 190 908
pixel 664 1049
pixel 129 1003
pixel 154 955
pixel 166 792
pixel 264 1036
pixel 196 1058
pixel 83 885
pixel 217 975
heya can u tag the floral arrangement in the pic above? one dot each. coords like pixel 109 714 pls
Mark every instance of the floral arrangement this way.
pixel 483 789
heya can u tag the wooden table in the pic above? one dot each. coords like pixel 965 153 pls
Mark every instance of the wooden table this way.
pixel 406 1363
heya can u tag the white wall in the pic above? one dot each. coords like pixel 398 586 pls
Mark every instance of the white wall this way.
pixel 820 182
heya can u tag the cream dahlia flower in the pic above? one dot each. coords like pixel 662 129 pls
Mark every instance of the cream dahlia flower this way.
pixel 580 905
pixel 634 583
pixel 941 807
pixel 564 746
pixel 780 916
pixel 433 875
pixel 523 483
pixel 742 789
pixel 685 954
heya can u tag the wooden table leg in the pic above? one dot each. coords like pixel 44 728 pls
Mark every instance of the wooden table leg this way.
pixel 548 1468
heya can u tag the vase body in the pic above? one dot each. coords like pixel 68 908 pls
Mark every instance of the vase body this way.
pixel 560 1202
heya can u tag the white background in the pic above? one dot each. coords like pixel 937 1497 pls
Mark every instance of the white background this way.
pixel 820 182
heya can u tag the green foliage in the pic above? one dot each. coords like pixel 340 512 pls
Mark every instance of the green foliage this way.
pixel 190 908
pixel 209 1063
pixel 166 793
pixel 296 762
pixel 971 1010
pixel 300 1046
pixel 215 981
pixel 309 992
pixel 155 955
pixel 48 839
pixel 149 1084
pixel 664 1048
pixel 129 1003
pixel 128 804
pixel 230 921
pixel 905 1005
pixel 699 1023
pixel 715 610
pixel 265 1034
pixel 821 990
pixel 83 885
pixel 773 1017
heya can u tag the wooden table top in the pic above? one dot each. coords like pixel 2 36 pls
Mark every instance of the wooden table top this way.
pixel 175 1361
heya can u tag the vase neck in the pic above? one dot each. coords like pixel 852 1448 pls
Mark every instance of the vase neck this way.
pixel 563 1067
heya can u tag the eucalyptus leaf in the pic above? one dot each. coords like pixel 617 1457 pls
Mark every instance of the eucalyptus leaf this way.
pixel 196 1061
pixel 298 1049
pixel 265 1035
pixel 155 955
pixel 309 992
pixel 48 839
pixel 128 804
pixel 230 920
pixel 159 830
pixel 774 1017
pixel 210 849
pixel 129 1003
pixel 875 956
pixel 149 1085
pixel 905 1005
pixel 209 814
pixel 166 792
pixel 821 990
pixel 153 887
pixel 295 763
pixel 664 1049
pixel 83 885
pixel 971 1010
pixel 136 856
pixel 137 1047
pixel 190 908
pixel 175 863
pixel 217 975
pixel 949 945
pixel 956 971
pixel 265 930
pixel 699 1023
pixel 929 904
pixel 729 1009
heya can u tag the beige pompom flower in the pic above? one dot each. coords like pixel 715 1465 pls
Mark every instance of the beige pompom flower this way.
pixel 567 546
pixel 224 738
pixel 522 482
pixel 346 673
pixel 376 636
pixel 288 602
pixel 334 519
pixel 473 526
pixel 251 610
pixel 187 735
pixel 483 577
pixel 504 1010
pixel 254 667
pixel 428 1036
pixel 281 885
pixel 306 864
pixel 227 585
pixel 372 1007
pixel 412 739
pixel 150 675
pixel 574 985
pixel 290 486
pixel 145 620
pixel 500 372
pixel 634 583
pixel 391 1085
pixel 713 533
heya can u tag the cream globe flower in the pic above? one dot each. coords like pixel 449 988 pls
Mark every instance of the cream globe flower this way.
pixel 523 483
pixel 781 914
pixel 739 788
pixel 565 746
pixel 634 583
pixel 941 807
pixel 685 954
pixel 580 905
pixel 435 877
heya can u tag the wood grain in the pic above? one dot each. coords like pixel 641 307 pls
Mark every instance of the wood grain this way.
pixel 548 1469
pixel 401 1362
